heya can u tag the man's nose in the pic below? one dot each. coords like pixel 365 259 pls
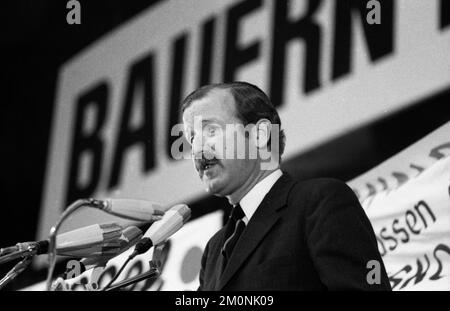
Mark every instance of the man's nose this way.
pixel 201 145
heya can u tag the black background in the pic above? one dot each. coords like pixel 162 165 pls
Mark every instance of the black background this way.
pixel 36 40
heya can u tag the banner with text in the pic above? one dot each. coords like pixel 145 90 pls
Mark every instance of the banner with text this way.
pixel 407 199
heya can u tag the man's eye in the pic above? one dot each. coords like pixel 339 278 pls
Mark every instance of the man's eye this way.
pixel 210 131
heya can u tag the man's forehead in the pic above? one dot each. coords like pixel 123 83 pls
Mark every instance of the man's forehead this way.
pixel 216 103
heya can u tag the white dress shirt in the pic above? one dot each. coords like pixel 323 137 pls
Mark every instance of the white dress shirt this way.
pixel 250 202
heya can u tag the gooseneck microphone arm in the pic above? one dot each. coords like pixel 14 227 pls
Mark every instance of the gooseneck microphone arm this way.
pixel 54 230
pixel 16 255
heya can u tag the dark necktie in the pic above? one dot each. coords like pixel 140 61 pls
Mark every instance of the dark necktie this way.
pixel 235 227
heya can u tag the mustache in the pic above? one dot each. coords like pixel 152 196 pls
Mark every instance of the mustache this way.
pixel 202 159
pixel 203 155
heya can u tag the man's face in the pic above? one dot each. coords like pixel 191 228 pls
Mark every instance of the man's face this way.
pixel 214 148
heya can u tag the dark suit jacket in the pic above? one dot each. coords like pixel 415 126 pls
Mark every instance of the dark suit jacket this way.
pixel 309 235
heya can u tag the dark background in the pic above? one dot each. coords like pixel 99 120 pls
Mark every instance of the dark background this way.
pixel 36 40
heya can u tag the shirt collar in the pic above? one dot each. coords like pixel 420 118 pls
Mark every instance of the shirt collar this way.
pixel 250 202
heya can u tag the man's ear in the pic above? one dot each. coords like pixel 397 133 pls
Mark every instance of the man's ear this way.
pixel 263 130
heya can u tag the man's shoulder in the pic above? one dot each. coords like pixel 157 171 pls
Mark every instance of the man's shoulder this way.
pixel 320 186
pixel 322 197
pixel 312 192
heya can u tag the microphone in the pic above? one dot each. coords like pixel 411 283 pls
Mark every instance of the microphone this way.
pixel 139 210
pixel 93 240
pixel 89 241
pixel 130 236
pixel 161 230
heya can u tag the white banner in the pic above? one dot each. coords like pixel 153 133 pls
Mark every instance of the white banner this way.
pixel 407 200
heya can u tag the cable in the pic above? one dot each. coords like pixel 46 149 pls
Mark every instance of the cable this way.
pixel 117 274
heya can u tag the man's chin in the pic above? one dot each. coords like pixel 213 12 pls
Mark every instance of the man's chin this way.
pixel 215 187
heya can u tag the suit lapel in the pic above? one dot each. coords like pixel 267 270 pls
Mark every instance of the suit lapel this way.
pixel 265 217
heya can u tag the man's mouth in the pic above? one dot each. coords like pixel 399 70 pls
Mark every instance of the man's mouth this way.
pixel 206 164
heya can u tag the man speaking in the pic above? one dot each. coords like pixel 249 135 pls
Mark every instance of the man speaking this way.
pixel 282 234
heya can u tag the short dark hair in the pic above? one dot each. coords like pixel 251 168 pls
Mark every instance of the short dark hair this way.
pixel 252 105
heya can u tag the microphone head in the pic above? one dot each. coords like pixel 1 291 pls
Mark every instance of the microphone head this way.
pixel 139 210
pixel 130 236
pixel 173 219
pixel 89 241
pixel 183 210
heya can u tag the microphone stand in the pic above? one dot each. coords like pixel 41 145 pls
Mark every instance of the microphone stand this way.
pixel 15 255
pixel 153 273
pixel 15 271
pixel 54 230
pixel 15 252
